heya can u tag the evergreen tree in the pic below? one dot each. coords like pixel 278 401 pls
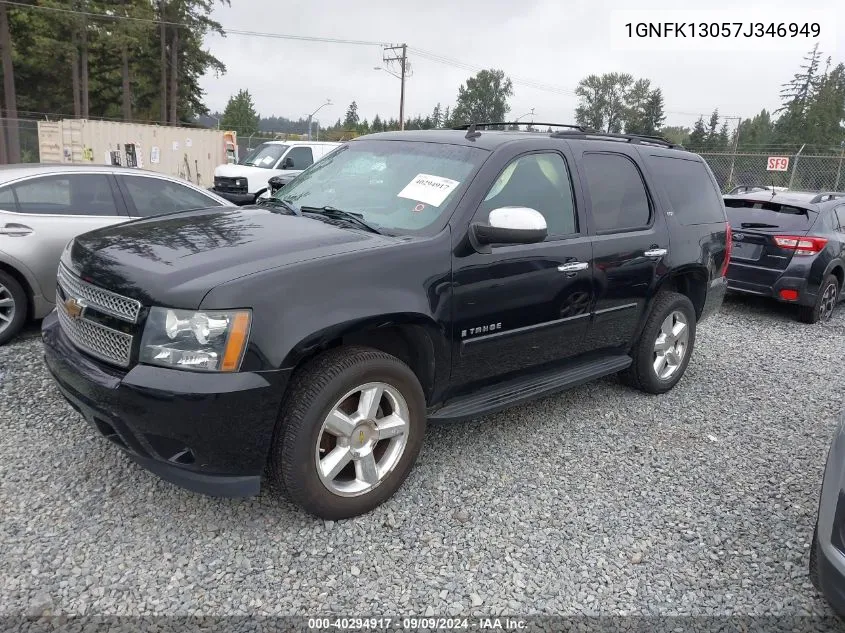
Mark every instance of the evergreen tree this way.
pixel 698 136
pixel 724 137
pixel 654 114
pixel 437 116
pixel 712 140
pixel 351 121
pixel 240 114
pixel 377 125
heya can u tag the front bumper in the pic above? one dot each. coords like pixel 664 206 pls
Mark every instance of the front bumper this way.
pixel 239 199
pixel 209 433
pixel 831 524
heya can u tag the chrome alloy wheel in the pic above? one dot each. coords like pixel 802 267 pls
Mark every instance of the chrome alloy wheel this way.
pixel 362 439
pixel 825 310
pixel 7 307
pixel 671 345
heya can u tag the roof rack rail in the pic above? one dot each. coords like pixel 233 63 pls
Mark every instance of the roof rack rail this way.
pixel 488 124
pixel 635 139
pixel 824 196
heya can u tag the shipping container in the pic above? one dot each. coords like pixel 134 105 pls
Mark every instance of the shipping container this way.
pixel 188 153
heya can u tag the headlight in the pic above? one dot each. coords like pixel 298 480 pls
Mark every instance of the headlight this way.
pixel 204 341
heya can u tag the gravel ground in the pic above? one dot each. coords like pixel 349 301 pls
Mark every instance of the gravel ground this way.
pixel 600 501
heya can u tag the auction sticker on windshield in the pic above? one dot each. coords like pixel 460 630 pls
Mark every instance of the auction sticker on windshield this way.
pixel 429 189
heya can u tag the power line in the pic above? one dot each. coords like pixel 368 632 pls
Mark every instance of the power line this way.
pixel 278 36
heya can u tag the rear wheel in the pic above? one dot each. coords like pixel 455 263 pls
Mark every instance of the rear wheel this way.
pixel 350 432
pixel 662 353
pixel 13 307
pixel 826 300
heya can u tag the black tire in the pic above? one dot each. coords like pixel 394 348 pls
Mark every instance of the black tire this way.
pixel 641 374
pixel 8 330
pixel 314 390
pixel 821 310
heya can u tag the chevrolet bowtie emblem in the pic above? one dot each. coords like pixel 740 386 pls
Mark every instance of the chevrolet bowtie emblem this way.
pixel 74 307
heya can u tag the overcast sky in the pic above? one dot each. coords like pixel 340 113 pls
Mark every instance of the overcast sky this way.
pixel 547 41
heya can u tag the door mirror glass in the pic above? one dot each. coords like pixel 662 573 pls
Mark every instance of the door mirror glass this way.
pixel 511 225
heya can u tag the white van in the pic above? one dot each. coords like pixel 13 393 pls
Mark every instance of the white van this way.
pixel 245 181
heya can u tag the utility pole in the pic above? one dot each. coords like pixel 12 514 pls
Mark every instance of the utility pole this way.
pixel 794 166
pixel 402 58
pixel 736 145
pixel 12 131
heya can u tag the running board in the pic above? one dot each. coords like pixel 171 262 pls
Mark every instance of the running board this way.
pixel 528 388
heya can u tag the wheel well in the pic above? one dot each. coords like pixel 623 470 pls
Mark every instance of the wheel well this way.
pixel 13 272
pixel 408 342
pixel 692 284
pixel 840 274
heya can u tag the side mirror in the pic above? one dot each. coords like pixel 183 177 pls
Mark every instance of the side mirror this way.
pixel 287 163
pixel 508 225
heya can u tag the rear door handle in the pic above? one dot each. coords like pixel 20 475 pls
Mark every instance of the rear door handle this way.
pixel 656 252
pixel 572 267
pixel 17 230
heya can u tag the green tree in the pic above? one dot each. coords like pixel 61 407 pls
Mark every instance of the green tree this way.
pixel 654 114
pixel 240 114
pixel 352 119
pixel 603 101
pixel 677 134
pixel 698 136
pixel 636 102
pixel 377 125
pixel 484 98
pixel 712 140
pixel 796 96
pixel 756 132
pixel 724 136
pixel 447 118
pixel 437 116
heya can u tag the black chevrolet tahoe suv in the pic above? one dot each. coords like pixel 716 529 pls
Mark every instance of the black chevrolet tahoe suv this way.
pixel 408 277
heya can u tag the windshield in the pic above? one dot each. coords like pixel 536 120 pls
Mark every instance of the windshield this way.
pixel 402 186
pixel 265 155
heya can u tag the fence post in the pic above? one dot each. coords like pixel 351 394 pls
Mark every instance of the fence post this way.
pixel 839 169
pixel 794 167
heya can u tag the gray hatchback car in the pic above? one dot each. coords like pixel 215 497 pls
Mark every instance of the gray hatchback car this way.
pixel 42 207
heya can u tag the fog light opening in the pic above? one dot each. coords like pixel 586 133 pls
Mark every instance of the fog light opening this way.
pixel 788 294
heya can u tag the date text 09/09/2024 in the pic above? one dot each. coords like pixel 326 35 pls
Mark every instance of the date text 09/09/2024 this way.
pixel 722 29
pixel 415 623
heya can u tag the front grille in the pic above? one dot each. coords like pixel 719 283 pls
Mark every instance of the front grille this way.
pixel 230 185
pixel 97 340
pixel 105 301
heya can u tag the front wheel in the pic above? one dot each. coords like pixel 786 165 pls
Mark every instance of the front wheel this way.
pixel 349 432
pixel 662 353
pixel 13 307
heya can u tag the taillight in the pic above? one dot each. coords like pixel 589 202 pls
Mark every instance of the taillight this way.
pixel 801 245
pixel 728 248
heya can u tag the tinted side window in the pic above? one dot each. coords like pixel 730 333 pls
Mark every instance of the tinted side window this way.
pixel 74 194
pixel 619 199
pixel 691 193
pixel 540 182
pixel 302 157
pixel 7 199
pixel 153 196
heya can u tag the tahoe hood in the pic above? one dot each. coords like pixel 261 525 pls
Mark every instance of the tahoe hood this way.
pixel 174 260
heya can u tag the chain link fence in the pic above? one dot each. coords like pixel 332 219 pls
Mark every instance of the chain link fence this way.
pixel 807 172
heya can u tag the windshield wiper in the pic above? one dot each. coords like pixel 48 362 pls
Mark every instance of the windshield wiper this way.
pixel 340 214
pixel 275 202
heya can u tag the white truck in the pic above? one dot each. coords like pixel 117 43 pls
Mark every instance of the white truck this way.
pixel 244 182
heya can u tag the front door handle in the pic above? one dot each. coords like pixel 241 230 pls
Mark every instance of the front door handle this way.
pixel 572 267
pixel 15 230
pixel 656 252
